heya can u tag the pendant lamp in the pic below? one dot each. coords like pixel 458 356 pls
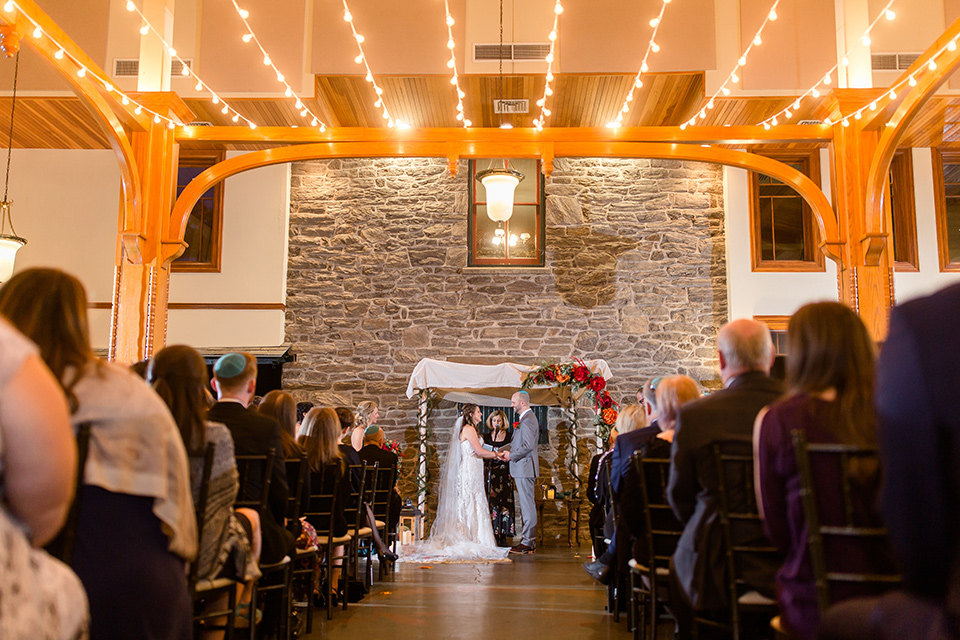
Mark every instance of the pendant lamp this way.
pixel 10 243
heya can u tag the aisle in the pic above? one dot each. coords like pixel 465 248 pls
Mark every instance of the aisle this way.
pixel 544 595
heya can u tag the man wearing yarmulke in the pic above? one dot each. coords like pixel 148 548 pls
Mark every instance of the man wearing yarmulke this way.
pixel 372 452
pixel 235 380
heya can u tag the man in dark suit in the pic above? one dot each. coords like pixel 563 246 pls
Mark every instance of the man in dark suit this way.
pixel 698 568
pixel 918 428
pixel 372 452
pixel 235 380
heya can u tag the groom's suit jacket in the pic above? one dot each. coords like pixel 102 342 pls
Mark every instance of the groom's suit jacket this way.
pixel 524 458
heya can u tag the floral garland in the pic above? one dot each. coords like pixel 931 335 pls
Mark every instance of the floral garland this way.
pixel 577 376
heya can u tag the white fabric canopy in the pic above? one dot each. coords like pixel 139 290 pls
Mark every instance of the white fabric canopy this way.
pixel 485 384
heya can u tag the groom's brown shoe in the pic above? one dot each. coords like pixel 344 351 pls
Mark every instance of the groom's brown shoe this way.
pixel 521 549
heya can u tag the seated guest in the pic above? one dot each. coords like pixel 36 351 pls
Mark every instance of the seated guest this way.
pixel 698 567
pixel 230 545
pixel 830 398
pixel 918 428
pixel 39 596
pixel 596 494
pixel 235 379
pixel 367 415
pixel 649 395
pixel 672 393
pixel 281 406
pixel 302 408
pixel 631 420
pixel 371 452
pixel 137 525
pixel 352 458
pixel 320 436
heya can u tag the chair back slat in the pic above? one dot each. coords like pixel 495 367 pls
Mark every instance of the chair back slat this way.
pixel 745 542
pixel 250 468
pixel 382 490
pixel 200 509
pixel 298 472
pixel 323 500
pixel 353 511
pixel 843 460
pixel 661 528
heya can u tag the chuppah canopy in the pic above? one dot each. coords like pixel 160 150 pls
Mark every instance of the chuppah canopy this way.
pixel 488 385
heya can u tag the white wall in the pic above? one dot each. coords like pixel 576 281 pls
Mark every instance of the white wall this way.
pixel 256 210
pixel 768 294
pixel 66 204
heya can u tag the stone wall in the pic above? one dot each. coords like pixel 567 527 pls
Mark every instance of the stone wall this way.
pixel 635 274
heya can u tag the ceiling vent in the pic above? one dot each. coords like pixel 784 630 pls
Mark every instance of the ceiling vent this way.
pixel 200 123
pixel 511 106
pixel 511 51
pixel 810 122
pixel 130 67
pixel 892 61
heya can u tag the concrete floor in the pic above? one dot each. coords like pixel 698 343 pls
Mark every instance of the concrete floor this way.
pixel 543 595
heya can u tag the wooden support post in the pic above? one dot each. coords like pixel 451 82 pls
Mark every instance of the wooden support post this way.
pixel 148 244
pixel 866 275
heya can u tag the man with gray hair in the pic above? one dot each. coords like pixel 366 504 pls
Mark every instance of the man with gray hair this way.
pixel 698 573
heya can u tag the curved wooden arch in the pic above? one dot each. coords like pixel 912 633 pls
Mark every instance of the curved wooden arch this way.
pixel 90 93
pixel 822 211
pixel 927 84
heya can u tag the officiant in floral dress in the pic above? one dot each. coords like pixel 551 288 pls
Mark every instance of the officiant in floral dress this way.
pixel 497 479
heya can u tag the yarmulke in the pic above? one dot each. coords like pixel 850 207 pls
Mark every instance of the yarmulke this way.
pixel 230 365
pixel 372 429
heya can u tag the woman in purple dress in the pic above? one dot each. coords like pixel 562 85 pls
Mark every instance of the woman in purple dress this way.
pixel 830 380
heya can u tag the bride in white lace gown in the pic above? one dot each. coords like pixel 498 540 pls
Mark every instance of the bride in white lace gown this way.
pixel 462 531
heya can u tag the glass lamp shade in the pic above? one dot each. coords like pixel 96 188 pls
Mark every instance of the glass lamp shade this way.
pixel 500 185
pixel 9 245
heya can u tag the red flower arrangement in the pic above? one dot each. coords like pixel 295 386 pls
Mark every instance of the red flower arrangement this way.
pixel 578 376
pixel 393 446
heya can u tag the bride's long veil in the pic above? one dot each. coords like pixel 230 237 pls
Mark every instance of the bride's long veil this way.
pixel 445 525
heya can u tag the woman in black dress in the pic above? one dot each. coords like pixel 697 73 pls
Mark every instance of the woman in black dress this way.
pixel 497 480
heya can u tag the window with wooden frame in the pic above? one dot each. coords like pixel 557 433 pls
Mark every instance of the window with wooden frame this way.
pixel 517 242
pixel 946 177
pixel 903 213
pixel 783 232
pixel 205 224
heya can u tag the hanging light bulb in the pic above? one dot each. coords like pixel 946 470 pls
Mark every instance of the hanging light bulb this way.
pixel 772 15
pixel 500 185
pixel 757 40
pixel 10 243
pixel 247 37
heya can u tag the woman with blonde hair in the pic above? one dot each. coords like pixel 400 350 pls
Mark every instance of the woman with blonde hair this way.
pixel 672 393
pixel 366 415
pixel 497 480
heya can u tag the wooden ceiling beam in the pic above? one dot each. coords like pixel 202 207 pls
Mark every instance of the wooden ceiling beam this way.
pixel 691 135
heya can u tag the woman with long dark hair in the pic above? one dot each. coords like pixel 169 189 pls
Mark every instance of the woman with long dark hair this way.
pixel 136 525
pixel 230 546
pixel 282 407
pixel 830 398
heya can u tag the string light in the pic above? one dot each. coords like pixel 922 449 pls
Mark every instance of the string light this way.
pixel 547 90
pixel 82 70
pixel 348 18
pixel 147 28
pixel 652 47
pixel 451 64
pixel 814 91
pixel 734 76
pixel 251 36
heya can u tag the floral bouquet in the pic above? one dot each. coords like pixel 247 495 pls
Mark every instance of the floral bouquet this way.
pixel 578 376
pixel 393 446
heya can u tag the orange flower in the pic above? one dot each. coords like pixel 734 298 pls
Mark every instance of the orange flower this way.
pixel 561 378
pixel 609 415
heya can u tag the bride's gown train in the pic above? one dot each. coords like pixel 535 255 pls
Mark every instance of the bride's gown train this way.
pixel 462 531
